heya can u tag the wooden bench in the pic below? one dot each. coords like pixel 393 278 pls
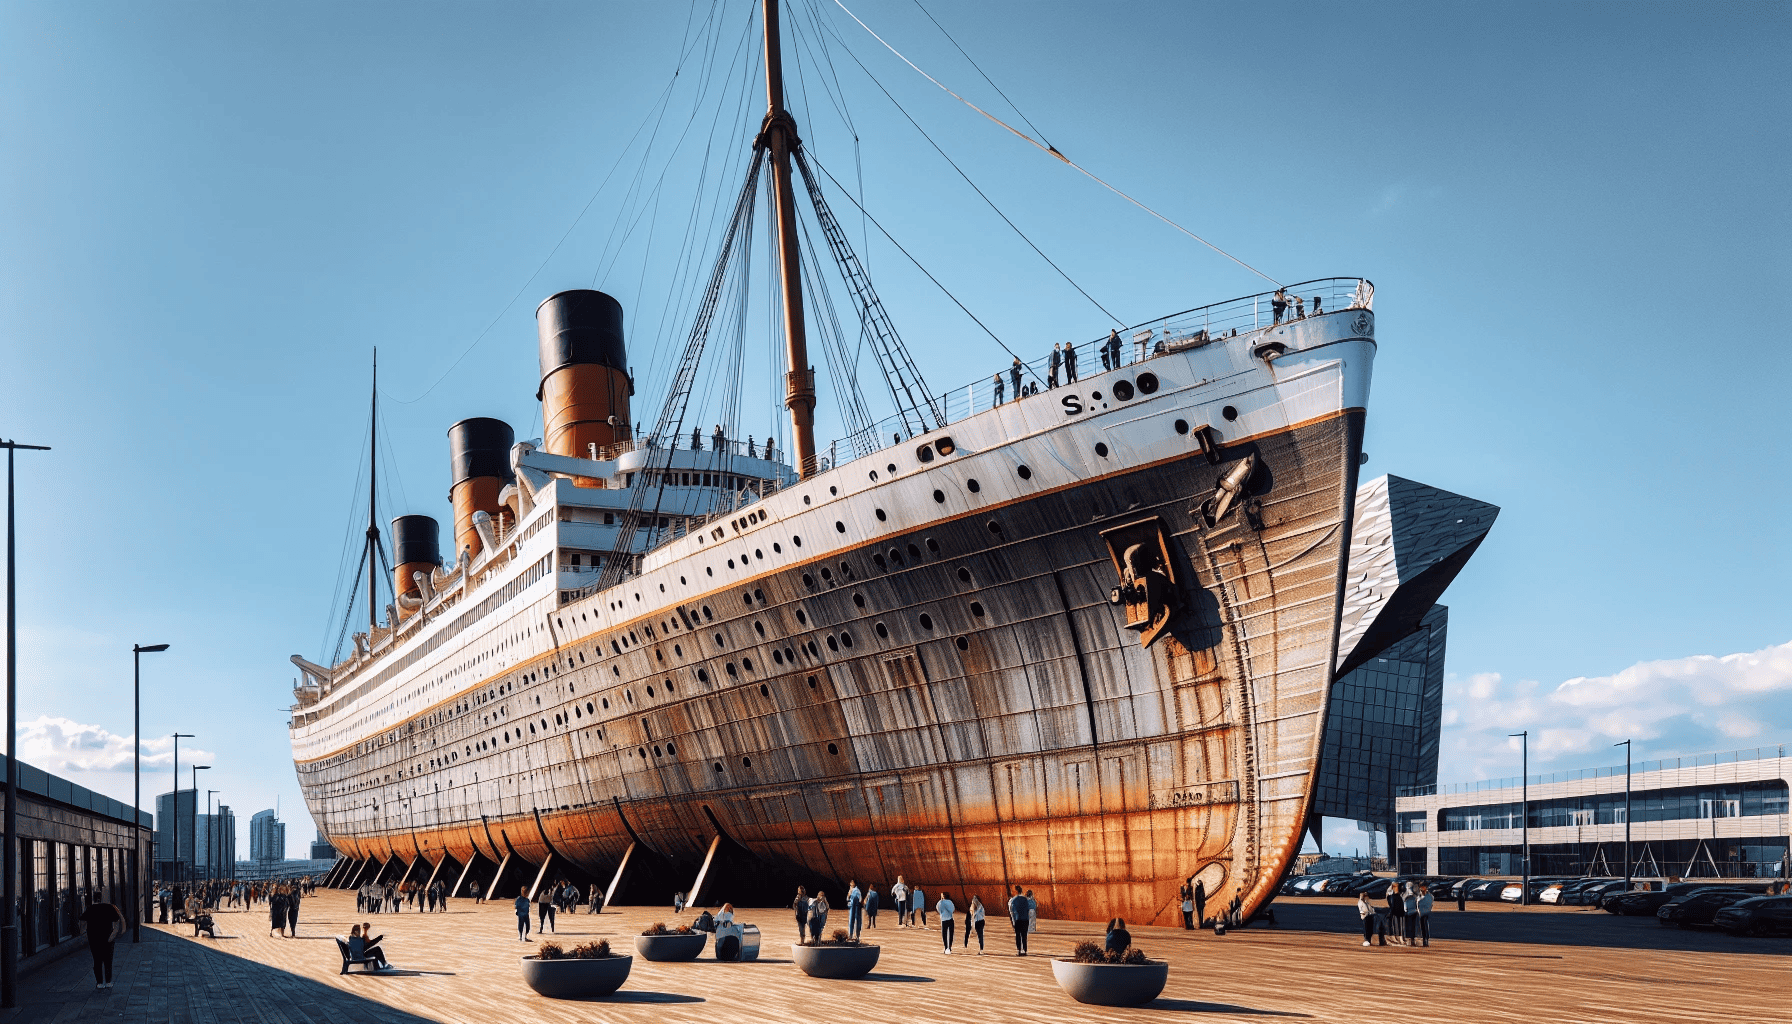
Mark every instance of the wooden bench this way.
pixel 347 960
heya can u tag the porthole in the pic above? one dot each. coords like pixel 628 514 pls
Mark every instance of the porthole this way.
pixel 656 750
pixel 1182 426
pixel 764 690
pixel 777 657
pixel 977 609
pixel 1024 472
pixel 747 663
pixel 531 728
pixel 747 599
pixel 759 595
pixel 668 686
pixel 1229 412
pixel 642 751
pixel 834 490
pixel 964 575
pixel 972 485
pixel 729 668
pixel 808 581
pixel 777 549
pixel 925 453
pixel 681 581
pixel 1147 383
pixel 933 545
pixel 718 766
pixel 882 633
pixel 731 563
pixel 859 599
pixel 839 527
pixel 845 638
pixel 811 682
pixel 945 446
pixel 1101 449
pixel 650 691
pixel 759 554
pixel 678 649
pixel 1123 390
pixel 963 644
pixel 895 557
pixel 798 541
pixel 707 614
pixel 833 643
pixel 708 571
pixel 833 748
pixel 914 552
pixel 591 710
pixel 874 476
pixel 881 517
pixel 720 642
pixel 994 527
pixel 810 647
pixel 746 762
pixel 939 496
pixel 759 627
pixel 926 621
pixel 605 701
pixel 878 560
pixel 827 573
pixel 670 749
pixel 801 616
pixel 703 675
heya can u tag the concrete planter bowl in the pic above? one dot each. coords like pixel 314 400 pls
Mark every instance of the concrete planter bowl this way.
pixel 671 948
pixel 568 978
pixel 843 962
pixel 1112 984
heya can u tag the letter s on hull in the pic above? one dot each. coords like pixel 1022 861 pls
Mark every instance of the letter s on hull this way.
pixel 1072 405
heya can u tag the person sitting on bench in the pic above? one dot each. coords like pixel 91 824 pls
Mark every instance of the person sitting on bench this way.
pixel 202 921
pixel 363 948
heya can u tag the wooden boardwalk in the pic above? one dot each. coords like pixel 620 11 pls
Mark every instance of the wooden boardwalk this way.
pixel 1494 964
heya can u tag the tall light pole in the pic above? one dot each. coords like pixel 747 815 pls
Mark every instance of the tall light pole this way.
pixel 196 770
pixel 139 899
pixel 210 821
pixel 1626 746
pixel 9 861
pixel 174 808
pixel 1524 810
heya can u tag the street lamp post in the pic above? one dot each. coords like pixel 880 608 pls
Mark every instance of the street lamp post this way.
pixel 9 861
pixel 1626 746
pixel 196 770
pixel 1524 810
pixel 174 807
pixel 139 898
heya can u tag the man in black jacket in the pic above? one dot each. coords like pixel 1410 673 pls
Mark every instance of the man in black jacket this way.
pixel 1396 914
pixel 1019 915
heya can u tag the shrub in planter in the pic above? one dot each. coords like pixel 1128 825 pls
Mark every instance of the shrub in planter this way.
pixel 836 957
pixel 582 972
pixel 669 945
pixel 1094 975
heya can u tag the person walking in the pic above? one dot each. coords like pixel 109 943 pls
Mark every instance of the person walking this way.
pixel 945 909
pixel 871 905
pixel 1014 375
pixel 1188 907
pixel 596 900
pixel 974 924
pixel 292 912
pixel 1368 915
pixel 1032 912
pixel 1396 912
pixel 544 910
pixel 801 906
pixel 678 903
pixel 1070 364
pixel 1462 895
pixel 522 913
pixel 1018 909
pixel 478 894
pixel 104 923
pixel 277 915
pixel 1424 915
pixel 1057 359
pixel 818 917
pixel 899 893
pixel 917 906
pixel 855 909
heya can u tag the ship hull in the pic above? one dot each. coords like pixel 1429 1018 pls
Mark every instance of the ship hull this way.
pixel 993 722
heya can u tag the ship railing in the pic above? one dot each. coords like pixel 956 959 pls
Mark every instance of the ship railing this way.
pixel 1138 343
pixel 1614 772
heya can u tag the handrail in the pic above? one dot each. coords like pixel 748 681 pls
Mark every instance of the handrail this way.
pixel 1582 774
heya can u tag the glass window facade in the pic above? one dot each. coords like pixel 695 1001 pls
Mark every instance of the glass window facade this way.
pixel 1736 800
pixel 1759 857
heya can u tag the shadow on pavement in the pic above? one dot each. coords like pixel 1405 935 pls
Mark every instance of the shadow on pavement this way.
pixel 1195 1006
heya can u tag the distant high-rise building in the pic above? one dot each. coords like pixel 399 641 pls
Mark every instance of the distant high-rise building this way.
pixel 174 816
pixel 267 837
pixel 321 848
pixel 215 839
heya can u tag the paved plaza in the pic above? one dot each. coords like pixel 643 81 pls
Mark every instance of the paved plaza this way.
pixel 1493 963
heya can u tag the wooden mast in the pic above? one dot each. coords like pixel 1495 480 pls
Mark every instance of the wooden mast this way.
pixel 778 132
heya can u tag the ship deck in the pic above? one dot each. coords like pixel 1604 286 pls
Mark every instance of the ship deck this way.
pixel 1493 963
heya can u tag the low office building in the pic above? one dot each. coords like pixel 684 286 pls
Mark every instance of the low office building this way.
pixel 1711 816
pixel 73 843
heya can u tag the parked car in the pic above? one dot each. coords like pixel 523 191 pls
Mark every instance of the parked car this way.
pixel 1485 890
pixel 1510 894
pixel 1699 907
pixel 1647 903
pixel 1756 915
pixel 1590 895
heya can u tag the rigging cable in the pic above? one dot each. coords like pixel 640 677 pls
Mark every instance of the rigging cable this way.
pixel 1053 150
pixel 974 188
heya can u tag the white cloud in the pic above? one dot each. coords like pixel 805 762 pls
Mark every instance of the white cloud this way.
pixel 62 746
pixel 1670 708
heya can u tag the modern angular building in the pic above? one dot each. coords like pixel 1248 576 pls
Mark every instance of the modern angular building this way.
pixel 215 843
pixel 174 834
pixel 321 848
pixel 1385 711
pixel 1711 816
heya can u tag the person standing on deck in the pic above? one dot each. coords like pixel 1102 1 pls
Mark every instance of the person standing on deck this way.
pixel 998 385
pixel 1014 375
pixel 1278 305
pixel 945 908
pixel 1070 364
pixel 1368 915
pixel 1051 380
pixel 871 905
pixel 1396 913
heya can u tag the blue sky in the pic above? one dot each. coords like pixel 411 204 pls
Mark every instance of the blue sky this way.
pixel 1575 215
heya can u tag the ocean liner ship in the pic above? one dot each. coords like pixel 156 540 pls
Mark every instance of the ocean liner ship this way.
pixel 1078 640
